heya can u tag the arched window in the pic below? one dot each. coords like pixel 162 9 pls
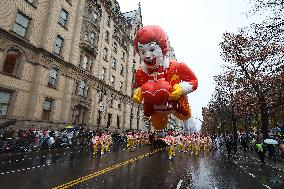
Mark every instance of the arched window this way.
pixel 11 62
pixel 52 77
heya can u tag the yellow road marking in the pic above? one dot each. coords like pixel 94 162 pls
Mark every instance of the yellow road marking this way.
pixel 92 175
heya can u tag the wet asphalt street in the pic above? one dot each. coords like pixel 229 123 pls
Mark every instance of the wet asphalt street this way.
pixel 144 168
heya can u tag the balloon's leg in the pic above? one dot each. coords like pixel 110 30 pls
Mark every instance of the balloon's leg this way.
pixel 159 120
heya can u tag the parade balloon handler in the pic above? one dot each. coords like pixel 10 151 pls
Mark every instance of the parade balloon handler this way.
pixel 163 84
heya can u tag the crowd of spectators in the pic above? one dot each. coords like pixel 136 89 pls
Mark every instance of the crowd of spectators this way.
pixel 271 147
pixel 22 140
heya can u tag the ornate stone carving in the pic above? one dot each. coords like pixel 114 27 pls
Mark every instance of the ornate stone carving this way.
pixel 3 44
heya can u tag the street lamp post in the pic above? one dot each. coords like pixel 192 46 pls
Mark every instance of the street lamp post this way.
pixel 131 116
pixel 101 109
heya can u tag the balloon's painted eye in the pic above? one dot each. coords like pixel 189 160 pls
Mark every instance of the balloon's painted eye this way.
pixel 143 52
pixel 152 50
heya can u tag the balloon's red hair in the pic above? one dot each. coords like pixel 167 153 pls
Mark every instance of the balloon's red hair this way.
pixel 151 33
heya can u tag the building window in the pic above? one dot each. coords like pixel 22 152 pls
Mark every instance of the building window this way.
pixel 95 16
pixel 4 102
pixel 52 77
pixel 93 38
pixel 119 105
pixel 21 24
pixel 110 101
pixel 79 114
pixel 58 44
pixel 133 66
pixel 123 55
pixel 121 70
pixel 100 95
pixel 86 36
pixel 108 21
pixel 112 80
pixel 76 115
pixel 105 54
pixel 113 65
pixel 11 63
pixel 63 18
pixel 46 109
pixel 103 74
pixel 30 1
pixel 109 120
pixel 115 47
pixel 121 85
pixel 69 1
pixel 82 87
pixel 118 121
pixel 107 36
pixel 85 62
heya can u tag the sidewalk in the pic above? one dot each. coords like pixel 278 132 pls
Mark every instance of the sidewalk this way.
pixel 253 158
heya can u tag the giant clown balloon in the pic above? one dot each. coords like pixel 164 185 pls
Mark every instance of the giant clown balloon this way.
pixel 160 83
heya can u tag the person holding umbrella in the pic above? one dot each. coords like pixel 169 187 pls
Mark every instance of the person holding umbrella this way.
pixel 271 148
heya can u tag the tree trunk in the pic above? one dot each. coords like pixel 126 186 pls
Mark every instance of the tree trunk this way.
pixel 264 119
pixel 235 134
pixel 246 124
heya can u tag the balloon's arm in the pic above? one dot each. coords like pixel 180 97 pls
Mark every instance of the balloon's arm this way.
pixel 189 81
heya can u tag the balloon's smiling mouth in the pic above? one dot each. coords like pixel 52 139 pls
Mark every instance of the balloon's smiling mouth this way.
pixel 150 62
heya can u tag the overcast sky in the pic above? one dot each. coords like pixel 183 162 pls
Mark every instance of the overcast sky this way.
pixel 195 29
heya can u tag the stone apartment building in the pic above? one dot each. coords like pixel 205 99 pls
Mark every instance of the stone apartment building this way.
pixel 68 61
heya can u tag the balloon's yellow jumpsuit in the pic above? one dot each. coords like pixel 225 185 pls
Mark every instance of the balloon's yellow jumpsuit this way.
pixel 96 141
pixel 108 143
pixel 189 145
pixel 196 147
pixel 171 146
pixel 130 143
pixel 103 144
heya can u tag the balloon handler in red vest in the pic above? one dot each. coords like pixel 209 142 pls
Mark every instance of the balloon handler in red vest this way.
pixel 163 84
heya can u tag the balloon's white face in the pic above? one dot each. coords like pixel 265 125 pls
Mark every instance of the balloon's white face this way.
pixel 151 53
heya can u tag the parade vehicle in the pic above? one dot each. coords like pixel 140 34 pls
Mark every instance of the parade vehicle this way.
pixel 159 142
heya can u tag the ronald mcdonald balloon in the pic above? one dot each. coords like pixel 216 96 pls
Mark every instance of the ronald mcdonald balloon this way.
pixel 161 83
